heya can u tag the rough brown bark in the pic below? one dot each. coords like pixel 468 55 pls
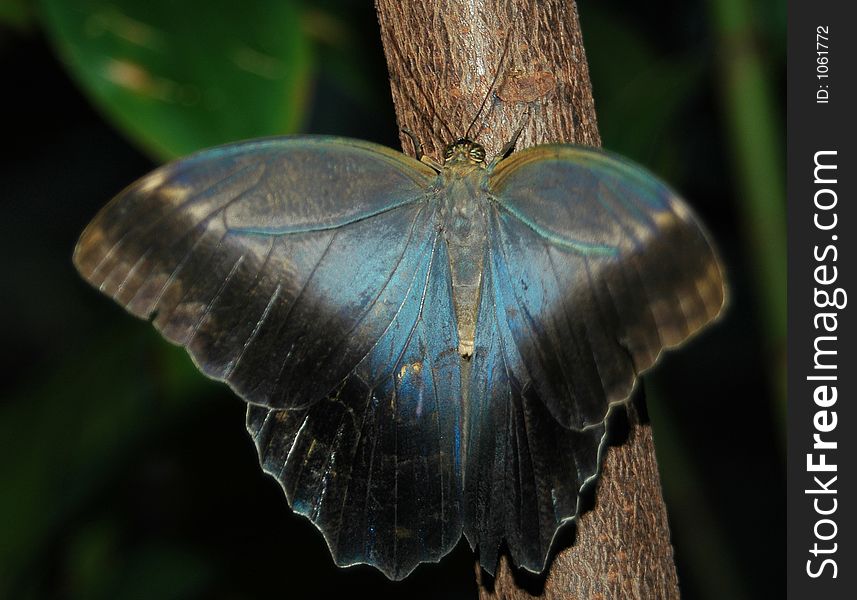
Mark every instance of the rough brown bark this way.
pixel 442 57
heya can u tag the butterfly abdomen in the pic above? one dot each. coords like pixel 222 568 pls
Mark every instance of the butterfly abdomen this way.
pixel 465 232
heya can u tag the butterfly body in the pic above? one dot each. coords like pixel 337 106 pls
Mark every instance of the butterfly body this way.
pixel 425 352
pixel 463 185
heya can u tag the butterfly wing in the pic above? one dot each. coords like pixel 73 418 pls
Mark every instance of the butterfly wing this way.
pixel 266 259
pixel 303 271
pixel 593 267
pixel 377 464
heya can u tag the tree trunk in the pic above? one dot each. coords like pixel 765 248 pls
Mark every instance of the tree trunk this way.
pixel 442 56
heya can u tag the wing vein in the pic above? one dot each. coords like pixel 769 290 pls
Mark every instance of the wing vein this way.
pixel 353 457
pixel 131 272
pixel 510 418
pixel 568 313
pixel 526 318
pixel 292 450
pixel 291 308
pixel 439 456
pixel 165 317
pixel 370 305
pixel 181 264
pixel 210 306
pixel 187 201
pixel 557 240
pixel 398 311
pixel 261 319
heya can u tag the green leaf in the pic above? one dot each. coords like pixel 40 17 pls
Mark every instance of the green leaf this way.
pixel 180 76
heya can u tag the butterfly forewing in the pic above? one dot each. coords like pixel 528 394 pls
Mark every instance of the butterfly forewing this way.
pixel 267 259
pixel 605 267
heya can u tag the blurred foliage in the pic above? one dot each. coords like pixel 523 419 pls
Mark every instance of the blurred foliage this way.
pixel 638 97
pixel 131 475
pixel 758 158
pixel 16 14
pixel 64 423
pixel 181 76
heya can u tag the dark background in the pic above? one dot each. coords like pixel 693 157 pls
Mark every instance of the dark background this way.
pixel 126 474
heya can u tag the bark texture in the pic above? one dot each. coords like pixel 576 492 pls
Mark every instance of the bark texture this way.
pixel 442 57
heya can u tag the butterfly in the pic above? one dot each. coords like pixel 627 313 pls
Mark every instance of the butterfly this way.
pixel 425 351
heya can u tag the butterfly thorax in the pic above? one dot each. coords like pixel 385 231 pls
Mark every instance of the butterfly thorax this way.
pixel 465 233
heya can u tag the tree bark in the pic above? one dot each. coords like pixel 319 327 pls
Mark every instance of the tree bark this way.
pixel 443 56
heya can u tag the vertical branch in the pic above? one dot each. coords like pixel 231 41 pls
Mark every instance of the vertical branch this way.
pixel 442 56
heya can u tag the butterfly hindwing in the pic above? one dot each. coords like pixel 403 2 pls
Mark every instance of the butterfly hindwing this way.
pixel 268 260
pixel 524 469
pixel 377 464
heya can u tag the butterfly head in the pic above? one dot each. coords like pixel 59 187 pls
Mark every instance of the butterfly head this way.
pixel 464 151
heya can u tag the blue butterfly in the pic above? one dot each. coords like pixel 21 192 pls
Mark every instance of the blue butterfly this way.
pixel 424 351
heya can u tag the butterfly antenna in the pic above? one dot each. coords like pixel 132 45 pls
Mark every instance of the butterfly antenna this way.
pixel 481 127
pixel 418 147
pixel 510 145
pixel 493 83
